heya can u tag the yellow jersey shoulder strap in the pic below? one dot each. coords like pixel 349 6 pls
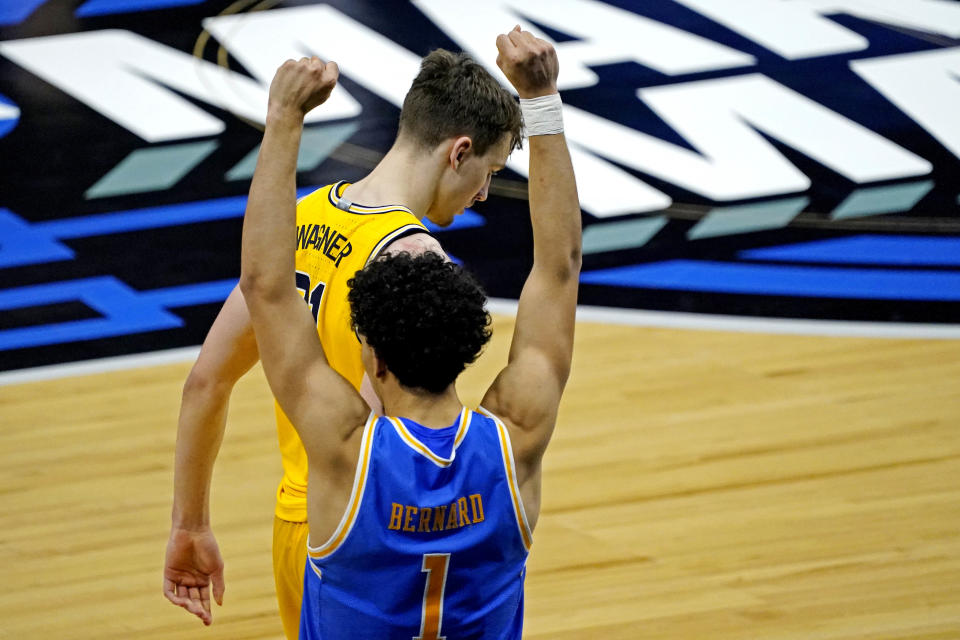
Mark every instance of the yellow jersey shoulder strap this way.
pixel 335 196
pixel 392 221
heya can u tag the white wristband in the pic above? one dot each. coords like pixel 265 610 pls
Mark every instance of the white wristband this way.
pixel 542 116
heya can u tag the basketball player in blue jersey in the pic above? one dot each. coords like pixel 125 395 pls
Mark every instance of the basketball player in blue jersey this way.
pixel 455 122
pixel 420 520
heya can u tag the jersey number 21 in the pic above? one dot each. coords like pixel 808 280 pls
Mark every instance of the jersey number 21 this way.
pixel 311 295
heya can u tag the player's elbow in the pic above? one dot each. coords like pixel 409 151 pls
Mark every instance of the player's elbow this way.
pixel 576 260
pixel 256 288
pixel 568 269
pixel 250 284
pixel 203 385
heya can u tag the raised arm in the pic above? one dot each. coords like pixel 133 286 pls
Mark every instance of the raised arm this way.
pixel 321 404
pixel 527 392
pixel 193 563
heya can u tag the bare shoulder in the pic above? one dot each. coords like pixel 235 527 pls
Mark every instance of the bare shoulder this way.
pixel 415 244
pixel 528 411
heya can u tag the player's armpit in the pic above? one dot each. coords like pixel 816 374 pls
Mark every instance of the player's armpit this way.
pixel 525 396
pixel 527 392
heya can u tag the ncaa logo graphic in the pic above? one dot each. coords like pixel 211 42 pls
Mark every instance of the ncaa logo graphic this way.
pixel 790 159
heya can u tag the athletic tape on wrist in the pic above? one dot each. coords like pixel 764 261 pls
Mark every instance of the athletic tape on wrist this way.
pixel 542 116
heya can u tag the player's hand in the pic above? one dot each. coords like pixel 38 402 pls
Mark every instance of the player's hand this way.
pixel 529 63
pixel 300 85
pixel 192 565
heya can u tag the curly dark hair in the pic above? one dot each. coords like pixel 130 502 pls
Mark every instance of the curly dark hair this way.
pixel 454 95
pixel 423 316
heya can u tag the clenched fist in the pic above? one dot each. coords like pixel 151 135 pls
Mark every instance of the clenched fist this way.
pixel 300 85
pixel 529 63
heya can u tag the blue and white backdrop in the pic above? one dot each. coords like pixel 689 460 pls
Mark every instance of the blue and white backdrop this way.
pixel 791 159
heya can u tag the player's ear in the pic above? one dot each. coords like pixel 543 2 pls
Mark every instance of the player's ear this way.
pixel 459 150
pixel 379 367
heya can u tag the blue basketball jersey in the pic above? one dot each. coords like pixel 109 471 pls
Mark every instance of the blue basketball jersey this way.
pixel 433 543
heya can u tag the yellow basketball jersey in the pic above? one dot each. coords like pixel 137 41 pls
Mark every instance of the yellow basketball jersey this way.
pixel 335 239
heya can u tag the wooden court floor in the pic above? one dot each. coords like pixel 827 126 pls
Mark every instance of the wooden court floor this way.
pixel 700 485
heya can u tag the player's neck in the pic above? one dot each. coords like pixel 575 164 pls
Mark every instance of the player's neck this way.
pixel 431 410
pixel 405 176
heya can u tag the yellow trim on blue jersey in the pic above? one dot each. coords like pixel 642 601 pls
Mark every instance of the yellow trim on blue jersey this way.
pixel 356 495
pixel 419 447
pixel 315 568
pixel 465 421
pixel 510 467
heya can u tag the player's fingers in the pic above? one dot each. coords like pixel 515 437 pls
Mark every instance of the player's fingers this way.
pixel 530 42
pixel 535 43
pixel 504 45
pixel 205 599
pixel 331 70
pixel 193 605
pixel 194 601
pixel 170 591
pixel 178 595
pixel 197 610
pixel 218 586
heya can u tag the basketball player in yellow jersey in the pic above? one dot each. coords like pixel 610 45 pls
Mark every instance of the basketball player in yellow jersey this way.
pixel 457 127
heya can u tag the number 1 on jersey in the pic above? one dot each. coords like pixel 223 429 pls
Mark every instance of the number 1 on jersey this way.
pixel 435 566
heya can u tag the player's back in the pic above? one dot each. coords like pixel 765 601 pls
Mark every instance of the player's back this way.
pixel 335 239
pixel 433 542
